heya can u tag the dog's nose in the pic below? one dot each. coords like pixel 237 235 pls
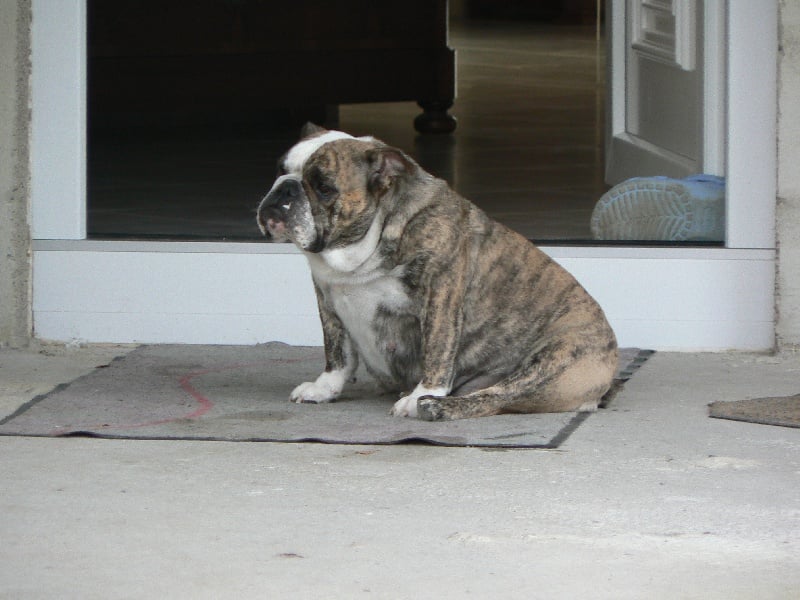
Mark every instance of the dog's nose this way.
pixel 284 192
pixel 274 208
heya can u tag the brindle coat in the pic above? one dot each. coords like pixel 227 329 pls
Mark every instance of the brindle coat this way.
pixel 469 306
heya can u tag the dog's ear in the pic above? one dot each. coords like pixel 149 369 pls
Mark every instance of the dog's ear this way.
pixel 310 129
pixel 385 165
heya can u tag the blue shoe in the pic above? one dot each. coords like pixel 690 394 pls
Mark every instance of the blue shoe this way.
pixel 662 208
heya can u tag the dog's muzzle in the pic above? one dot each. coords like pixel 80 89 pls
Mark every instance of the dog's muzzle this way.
pixel 274 209
pixel 285 214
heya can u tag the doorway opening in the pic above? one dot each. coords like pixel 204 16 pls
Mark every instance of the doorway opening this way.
pixel 528 149
pixel 127 291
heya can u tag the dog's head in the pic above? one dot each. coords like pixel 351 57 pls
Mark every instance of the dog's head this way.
pixel 330 189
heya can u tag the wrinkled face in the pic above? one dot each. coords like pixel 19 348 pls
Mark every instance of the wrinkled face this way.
pixel 320 199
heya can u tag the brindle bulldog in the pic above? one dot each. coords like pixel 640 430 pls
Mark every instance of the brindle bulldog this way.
pixel 430 293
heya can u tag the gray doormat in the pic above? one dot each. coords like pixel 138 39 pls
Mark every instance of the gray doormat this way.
pixel 240 393
pixel 783 411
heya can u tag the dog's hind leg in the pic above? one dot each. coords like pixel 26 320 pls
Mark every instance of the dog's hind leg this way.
pixel 577 387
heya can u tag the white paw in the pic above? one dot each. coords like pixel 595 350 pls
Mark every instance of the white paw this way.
pixel 311 392
pixel 407 405
pixel 326 388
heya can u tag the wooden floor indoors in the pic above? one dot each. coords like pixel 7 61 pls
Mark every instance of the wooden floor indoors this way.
pixel 528 148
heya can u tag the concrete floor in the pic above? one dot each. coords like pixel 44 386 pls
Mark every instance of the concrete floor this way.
pixel 649 498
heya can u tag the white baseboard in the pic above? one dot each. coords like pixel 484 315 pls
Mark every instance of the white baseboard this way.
pixel 237 293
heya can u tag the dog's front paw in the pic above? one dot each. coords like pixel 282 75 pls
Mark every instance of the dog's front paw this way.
pixel 310 392
pixel 407 405
pixel 326 388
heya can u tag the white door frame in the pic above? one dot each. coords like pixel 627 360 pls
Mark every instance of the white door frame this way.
pixel 242 293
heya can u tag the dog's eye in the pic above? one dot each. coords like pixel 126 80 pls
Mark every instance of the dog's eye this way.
pixel 325 192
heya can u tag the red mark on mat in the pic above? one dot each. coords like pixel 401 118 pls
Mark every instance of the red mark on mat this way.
pixel 204 404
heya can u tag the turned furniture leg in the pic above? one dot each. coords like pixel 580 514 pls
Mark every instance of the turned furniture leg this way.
pixel 435 118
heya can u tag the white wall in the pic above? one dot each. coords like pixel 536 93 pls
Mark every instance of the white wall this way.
pixel 244 293
pixel 788 210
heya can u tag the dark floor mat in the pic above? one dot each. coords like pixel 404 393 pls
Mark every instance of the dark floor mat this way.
pixel 239 393
pixel 783 411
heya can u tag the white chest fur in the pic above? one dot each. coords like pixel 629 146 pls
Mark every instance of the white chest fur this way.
pixel 357 307
pixel 357 296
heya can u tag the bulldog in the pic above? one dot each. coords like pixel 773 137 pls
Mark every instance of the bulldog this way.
pixel 437 299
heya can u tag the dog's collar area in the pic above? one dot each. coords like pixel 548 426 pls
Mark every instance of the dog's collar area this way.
pixel 350 257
